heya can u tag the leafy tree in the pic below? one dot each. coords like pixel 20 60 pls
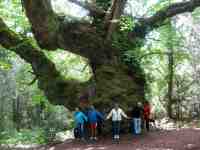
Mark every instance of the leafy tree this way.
pixel 116 75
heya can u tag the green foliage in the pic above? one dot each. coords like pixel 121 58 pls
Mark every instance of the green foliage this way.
pixel 169 36
pixel 126 24
pixel 5 56
pixel 155 62
pixel 103 3
pixel 130 50
pixel 196 14
pixel 4 65
pixel 34 110
pixel 25 136
pixel 38 98
pixel 14 16
pixel 159 5
pixel 71 66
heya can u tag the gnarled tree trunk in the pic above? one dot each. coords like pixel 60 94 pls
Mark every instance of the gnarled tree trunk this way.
pixel 114 80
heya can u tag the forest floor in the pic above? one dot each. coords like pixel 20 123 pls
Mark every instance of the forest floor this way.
pixel 183 139
pixel 173 138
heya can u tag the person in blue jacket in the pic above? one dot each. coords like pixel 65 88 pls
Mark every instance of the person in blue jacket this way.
pixel 80 118
pixel 93 117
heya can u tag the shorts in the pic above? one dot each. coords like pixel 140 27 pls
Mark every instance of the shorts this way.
pixel 93 125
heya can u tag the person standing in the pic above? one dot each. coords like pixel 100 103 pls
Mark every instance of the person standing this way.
pixel 93 117
pixel 136 115
pixel 116 113
pixel 100 123
pixel 146 114
pixel 80 118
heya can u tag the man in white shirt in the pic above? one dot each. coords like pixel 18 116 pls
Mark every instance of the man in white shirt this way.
pixel 116 113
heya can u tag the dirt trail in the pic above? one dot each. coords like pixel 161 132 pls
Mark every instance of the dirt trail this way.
pixel 183 139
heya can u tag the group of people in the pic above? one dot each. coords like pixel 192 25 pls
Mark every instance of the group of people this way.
pixel 92 120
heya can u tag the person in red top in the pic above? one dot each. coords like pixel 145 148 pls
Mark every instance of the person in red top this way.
pixel 146 114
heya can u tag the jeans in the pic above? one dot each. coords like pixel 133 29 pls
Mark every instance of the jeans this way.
pixel 147 124
pixel 116 129
pixel 80 130
pixel 137 125
pixel 99 127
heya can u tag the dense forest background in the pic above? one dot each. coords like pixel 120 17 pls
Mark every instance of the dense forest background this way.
pixel 168 59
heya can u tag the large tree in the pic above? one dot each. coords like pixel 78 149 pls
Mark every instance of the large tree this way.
pixel 115 79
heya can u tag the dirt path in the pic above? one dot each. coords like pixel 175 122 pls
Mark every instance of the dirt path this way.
pixel 183 139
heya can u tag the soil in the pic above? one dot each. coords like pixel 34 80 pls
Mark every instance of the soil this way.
pixel 179 139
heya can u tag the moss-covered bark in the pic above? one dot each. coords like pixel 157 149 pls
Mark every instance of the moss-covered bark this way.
pixel 114 80
pixel 57 89
pixel 115 84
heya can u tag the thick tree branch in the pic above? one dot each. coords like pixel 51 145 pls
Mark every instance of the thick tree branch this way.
pixel 25 50
pixel 92 8
pixel 84 40
pixel 66 92
pixel 112 17
pixel 52 32
pixel 145 25
pixel 50 81
pixel 44 22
